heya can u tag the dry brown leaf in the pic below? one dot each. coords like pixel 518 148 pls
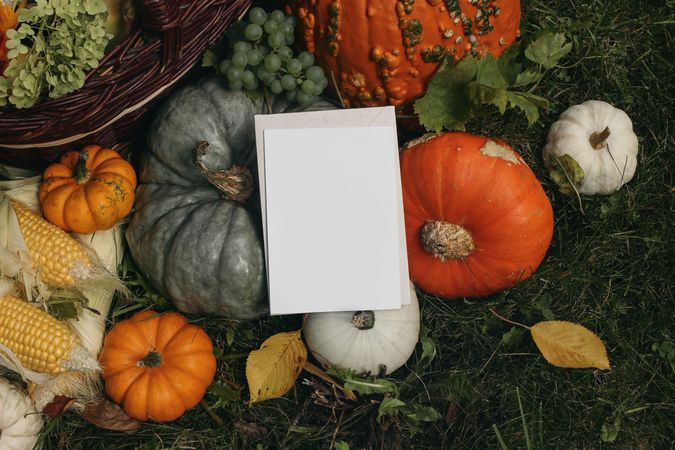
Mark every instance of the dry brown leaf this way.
pixel 106 414
pixel 567 344
pixel 272 370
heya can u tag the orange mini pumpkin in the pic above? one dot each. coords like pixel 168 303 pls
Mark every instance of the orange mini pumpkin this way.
pixel 477 220
pixel 88 190
pixel 383 52
pixel 157 366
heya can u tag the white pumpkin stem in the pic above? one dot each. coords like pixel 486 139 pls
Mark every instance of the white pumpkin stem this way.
pixel 446 240
pixel 363 320
pixel 236 183
pixel 597 139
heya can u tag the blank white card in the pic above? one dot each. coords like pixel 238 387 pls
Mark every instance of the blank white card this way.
pixel 333 219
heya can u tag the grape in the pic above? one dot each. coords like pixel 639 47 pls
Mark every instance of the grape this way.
pixel 277 15
pixel 290 39
pixel 275 87
pixel 314 73
pixel 253 32
pixel 265 75
pixel 308 87
pixel 291 94
pixel 233 73
pixel 247 77
pixel 272 62
pixel 257 15
pixel 294 67
pixel 323 83
pixel 242 47
pixel 285 53
pixel 291 20
pixel 252 86
pixel 318 90
pixel 288 82
pixel 286 29
pixel 304 98
pixel 306 59
pixel 270 26
pixel 235 85
pixel 276 39
pixel 263 50
pixel 224 65
pixel 239 60
pixel 253 57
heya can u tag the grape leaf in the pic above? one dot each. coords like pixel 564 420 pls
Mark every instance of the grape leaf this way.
pixel 446 102
pixel 528 103
pixel 566 344
pixel 272 370
pixel 548 49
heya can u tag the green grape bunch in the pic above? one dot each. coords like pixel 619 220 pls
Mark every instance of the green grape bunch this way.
pixel 259 52
pixel 51 50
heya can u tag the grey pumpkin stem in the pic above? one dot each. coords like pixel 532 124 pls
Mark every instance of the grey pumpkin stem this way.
pixel 236 183
pixel 363 320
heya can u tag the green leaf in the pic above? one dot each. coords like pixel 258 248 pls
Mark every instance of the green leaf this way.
pixel 481 94
pixel 363 385
pixel 389 407
pixel 548 49
pixel 528 103
pixel 224 394
pixel 610 431
pixel 512 337
pixel 210 59
pixel 489 73
pixel 341 445
pixel 446 102
pixel 527 77
pixel 567 174
pixel 428 350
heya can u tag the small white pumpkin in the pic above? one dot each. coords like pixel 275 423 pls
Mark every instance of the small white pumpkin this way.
pixel 19 422
pixel 593 148
pixel 375 342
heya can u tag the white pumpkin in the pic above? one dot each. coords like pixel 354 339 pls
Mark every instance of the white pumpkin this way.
pixel 19 422
pixel 593 148
pixel 372 342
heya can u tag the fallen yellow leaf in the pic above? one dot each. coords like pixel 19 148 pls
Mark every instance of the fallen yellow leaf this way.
pixel 567 344
pixel 272 370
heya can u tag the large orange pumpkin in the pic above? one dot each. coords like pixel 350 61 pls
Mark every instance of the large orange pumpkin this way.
pixel 157 366
pixel 477 220
pixel 384 51
pixel 88 190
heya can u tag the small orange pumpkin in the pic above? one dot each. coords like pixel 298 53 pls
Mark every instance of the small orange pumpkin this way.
pixel 88 190
pixel 477 220
pixel 157 366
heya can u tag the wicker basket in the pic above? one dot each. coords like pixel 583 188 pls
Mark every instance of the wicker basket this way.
pixel 168 40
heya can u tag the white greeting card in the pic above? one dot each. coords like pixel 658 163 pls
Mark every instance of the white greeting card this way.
pixel 332 211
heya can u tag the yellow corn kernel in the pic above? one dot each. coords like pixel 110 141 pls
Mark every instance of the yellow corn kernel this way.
pixel 42 343
pixel 59 260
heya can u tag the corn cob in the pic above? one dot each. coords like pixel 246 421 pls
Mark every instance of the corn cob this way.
pixel 58 258
pixel 40 342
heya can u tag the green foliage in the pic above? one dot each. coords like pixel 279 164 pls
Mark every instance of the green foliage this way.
pixel 411 414
pixel 54 46
pixel 363 385
pixel 459 92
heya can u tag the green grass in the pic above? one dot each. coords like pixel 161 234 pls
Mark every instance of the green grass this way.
pixel 609 268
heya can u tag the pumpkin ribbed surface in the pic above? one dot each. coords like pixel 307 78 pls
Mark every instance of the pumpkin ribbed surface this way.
pixel 384 51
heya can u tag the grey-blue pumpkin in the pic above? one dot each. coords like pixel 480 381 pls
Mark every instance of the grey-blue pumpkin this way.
pixel 200 249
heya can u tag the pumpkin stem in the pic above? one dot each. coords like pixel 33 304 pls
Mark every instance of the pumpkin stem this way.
pixel 152 359
pixel 80 173
pixel 598 139
pixel 363 320
pixel 236 183
pixel 446 240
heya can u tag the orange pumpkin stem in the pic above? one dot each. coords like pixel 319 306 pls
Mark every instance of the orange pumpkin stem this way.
pixel 152 359
pixel 80 172
pixel 598 139
pixel 446 240
pixel 363 320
